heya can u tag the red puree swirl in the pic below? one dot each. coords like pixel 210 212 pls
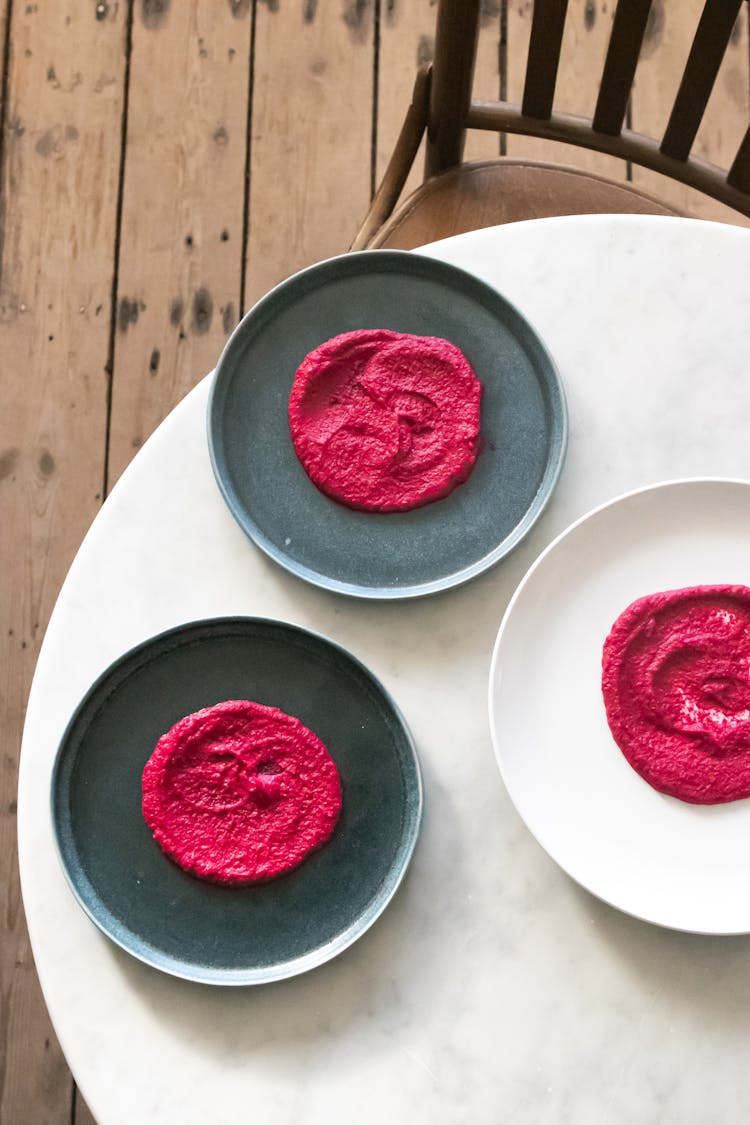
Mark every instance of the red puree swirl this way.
pixel 676 685
pixel 240 792
pixel 385 421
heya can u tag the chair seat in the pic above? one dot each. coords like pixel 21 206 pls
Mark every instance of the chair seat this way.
pixel 487 193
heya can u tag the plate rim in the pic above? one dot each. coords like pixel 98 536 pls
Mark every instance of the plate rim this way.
pixel 554 391
pixel 321 954
pixel 662 485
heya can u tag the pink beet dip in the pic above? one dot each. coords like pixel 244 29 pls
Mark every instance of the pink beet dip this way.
pixel 385 421
pixel 240 792
pixel 676 686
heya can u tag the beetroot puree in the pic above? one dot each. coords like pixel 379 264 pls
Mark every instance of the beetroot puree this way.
pixel 385 421
pixel 240 792
pixel 676 685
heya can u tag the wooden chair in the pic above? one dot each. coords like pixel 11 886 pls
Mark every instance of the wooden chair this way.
pixel 456 197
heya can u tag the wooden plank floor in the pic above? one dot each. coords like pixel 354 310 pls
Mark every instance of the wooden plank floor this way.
pixel 163 164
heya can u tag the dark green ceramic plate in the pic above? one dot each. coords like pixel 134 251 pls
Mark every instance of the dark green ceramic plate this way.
pixel 230 935
pixel 399 554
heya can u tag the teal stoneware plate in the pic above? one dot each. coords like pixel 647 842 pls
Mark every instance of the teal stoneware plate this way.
pixel 202 931
pixel 398 554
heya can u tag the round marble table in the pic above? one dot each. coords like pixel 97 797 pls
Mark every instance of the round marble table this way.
pixel 493 988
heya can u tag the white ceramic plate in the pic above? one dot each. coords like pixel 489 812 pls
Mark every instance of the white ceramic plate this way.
pixel 678 865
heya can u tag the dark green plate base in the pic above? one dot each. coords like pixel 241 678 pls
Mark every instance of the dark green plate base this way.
pixel 229 935
pixel 399 554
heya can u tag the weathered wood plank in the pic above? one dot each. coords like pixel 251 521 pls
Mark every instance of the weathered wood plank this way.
pixel 669 36
pixel 181 254
pixel 584 47
pixel 59 200
pixel 82 1115
pixel 311 135
pixel 4 44
pixel 407 39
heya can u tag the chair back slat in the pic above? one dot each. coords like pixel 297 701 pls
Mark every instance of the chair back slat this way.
pixel 544 56
pixel 710 43
pixel 738 175
pixel 628 29
pixel 452 74
pixel 451 108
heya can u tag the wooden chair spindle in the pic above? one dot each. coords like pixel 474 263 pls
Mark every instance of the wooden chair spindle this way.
pixel 544 56
pixel 628 29
pixel 709 45
pixel 739 174
pixel 452 75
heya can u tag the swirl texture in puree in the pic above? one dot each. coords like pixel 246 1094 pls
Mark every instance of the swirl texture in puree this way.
pixel 676 687
pixel 240 792
pixel 385 421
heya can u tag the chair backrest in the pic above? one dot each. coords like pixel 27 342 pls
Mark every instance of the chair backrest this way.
pixel 452 110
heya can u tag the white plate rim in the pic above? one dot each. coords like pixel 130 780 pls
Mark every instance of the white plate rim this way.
pixel 643 916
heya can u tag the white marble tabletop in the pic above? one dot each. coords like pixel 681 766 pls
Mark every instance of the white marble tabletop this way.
pixel 493 988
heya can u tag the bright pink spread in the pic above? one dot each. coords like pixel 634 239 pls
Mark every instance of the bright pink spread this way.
pixel 676 685
pixel 240 792
pixel 385 421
